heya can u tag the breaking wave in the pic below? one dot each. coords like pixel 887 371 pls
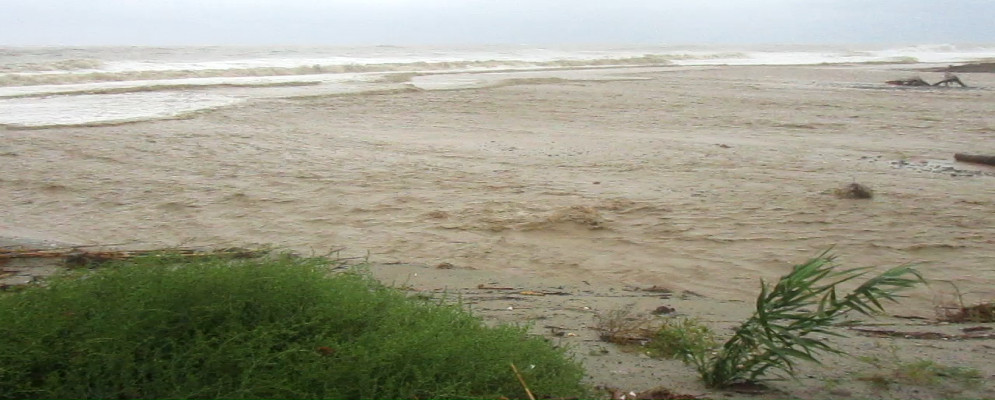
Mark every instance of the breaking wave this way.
pixel 72 76
pixel 68 66
pixel 61 65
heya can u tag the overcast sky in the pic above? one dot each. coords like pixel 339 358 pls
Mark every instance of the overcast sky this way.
pixel 343 22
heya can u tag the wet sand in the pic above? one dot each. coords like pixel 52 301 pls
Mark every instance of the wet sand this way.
pixel 701 180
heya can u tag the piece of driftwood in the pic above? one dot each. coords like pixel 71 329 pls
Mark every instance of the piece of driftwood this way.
pixel 974 158
pixel 909 82
pixel 949 80
pixel 917 81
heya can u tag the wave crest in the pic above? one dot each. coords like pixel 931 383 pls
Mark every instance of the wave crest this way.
pixel 61 65
pixel 32 79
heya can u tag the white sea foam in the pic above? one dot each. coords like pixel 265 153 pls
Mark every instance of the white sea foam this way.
pixel 109 108
pixel 113 71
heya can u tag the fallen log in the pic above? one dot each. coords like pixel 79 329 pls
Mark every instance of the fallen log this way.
pixel 974 158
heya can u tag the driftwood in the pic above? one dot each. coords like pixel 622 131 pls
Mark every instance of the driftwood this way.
pixel 917 81
pixel 909 82
pixel 974 158
pixel 948 80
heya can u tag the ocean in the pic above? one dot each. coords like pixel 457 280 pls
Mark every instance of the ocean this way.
pixel 71 86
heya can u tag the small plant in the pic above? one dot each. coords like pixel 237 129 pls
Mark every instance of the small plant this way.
pixel 800 304
pixel 929 372
pixel 678 337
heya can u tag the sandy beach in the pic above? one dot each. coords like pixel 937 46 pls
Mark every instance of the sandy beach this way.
pixel 702 180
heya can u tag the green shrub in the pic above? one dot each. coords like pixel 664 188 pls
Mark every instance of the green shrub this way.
pixel 282 327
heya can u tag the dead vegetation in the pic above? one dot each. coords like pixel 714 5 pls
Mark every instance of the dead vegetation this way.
pixel 978 313
pixel 959 312
pixel 621 326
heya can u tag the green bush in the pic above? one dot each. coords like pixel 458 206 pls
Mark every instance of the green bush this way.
pixel 281 327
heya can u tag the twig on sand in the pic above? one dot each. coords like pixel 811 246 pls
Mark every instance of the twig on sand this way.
pixel 485 287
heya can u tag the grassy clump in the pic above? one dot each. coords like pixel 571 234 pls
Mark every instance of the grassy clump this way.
pixel 802 303
pixel 280 327
pixel 677 337
pixel 921 372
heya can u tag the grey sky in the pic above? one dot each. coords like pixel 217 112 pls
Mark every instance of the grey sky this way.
pixel 177 22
